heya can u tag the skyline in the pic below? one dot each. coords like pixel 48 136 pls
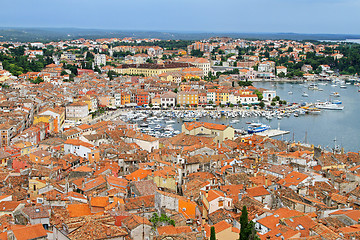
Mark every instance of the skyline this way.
pixel 190 16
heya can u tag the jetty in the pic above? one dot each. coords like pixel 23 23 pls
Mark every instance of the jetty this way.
pixel 272 133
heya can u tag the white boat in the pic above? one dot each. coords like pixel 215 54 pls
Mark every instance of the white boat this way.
pixel 290 92
pixel 334 85
pixel 169 121
pixel 257 127
pixel 336 94
pixel 343 86
pixel 235 121
pixel 157 126
pixel 329 106
pixel 305 94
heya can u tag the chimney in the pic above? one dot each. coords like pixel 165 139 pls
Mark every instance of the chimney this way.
pixel 206 193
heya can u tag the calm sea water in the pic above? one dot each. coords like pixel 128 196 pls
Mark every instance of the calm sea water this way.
pixel 322 129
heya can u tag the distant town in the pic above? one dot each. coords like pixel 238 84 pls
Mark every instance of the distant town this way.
pixel 106 139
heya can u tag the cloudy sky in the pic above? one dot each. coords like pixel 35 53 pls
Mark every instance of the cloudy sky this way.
pixel 299 16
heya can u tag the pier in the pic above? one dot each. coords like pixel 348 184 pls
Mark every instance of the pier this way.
pixel 273 133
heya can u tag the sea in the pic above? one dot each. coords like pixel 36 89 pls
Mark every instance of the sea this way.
pixel 330 128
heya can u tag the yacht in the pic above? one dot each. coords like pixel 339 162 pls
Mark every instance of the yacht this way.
pixel 336 94
pixel 257 127
pixel 305 94
pixel 343 86
pixel 336 102
pixel 290 92
pixel 313 86
pixel 329 106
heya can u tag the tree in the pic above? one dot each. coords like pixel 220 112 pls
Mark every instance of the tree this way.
pixel 244 221
pixel 197 53
pixel 247 229
pixel 175 90
pixel 262 104
pixel 212 233
pixel 37 80
pixel 63 72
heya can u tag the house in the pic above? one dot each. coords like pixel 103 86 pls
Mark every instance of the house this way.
pixel 225 230
pixel 29 232
pixel 281 70
pixel 214 200
pixel 186 207
pixel 81 149
pixel 218 131
pixel 78 111
pixel 37 215
pixel 168 99
pixel 137 227
pixel 260 193
pixel 295 180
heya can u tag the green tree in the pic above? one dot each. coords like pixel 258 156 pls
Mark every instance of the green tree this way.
pixel 262 104
pixel 63 72
pixel 212 233
pixel 247 229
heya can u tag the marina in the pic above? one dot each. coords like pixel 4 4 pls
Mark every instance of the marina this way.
pixel 315 114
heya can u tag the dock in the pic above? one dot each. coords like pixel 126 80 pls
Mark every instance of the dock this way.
pixel 272 133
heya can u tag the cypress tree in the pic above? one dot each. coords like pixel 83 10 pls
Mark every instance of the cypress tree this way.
pixel 244 223
pixel 212 233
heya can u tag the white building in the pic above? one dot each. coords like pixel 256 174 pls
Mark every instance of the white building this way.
pixel 168 99
pixel 100 59
pixel 268 95
pixel 77 111
pixel 79 148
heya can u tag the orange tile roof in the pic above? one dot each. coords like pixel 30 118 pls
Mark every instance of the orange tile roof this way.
pixel 29 232
pixel 192 125
pixel 78 210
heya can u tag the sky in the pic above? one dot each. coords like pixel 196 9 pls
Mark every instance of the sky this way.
pixel 243 16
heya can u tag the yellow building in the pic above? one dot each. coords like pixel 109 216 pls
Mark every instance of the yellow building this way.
pixel 164 179
pixel 125 98
pixel 219 131
pixel 45 119
pixel 188 98
pixel 34 186
pixel 150 69
pixel 25 147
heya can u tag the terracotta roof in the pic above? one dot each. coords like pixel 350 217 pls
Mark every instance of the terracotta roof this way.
pixel 30 232
pixel 192 125
pixel 77 210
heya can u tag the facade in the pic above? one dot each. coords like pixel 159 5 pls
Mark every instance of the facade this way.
pixel 221 132
pixel 100 59
pixel 168 99
pixel 268 95
pixel 77 111
pixel 151 69
pixel 187 98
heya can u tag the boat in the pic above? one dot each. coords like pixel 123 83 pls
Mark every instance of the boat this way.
pixel 296 114
pixel 305 94
pixel 334 85
pixel 144 125
pixel 257 127
pixel 187 119
pixel 290 92
pixel 336 102
pixel 313 110
pixel 235 121
pixel 343 86
pixel 169 121
pixel 157 126
pixel 336 94
pixel 329 106
pixel 313 86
